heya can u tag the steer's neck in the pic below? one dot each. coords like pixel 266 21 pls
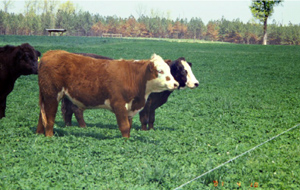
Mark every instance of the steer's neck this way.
pixel 139 97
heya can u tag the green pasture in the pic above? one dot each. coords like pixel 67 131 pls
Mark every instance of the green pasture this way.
pixel 247 95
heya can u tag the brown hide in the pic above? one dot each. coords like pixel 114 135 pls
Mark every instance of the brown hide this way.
pixel 154 101
pixel 94 56
pixel 68 108
pixel 90 84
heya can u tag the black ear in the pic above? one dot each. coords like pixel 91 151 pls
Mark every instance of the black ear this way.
pixel 26 45
pixel 38 53
pixel 8 48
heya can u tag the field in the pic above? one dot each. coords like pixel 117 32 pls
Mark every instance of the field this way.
pixel 247 95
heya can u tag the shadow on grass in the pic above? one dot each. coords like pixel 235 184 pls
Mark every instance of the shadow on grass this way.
pixel 164 128
pixel 114 125
pixel 61 130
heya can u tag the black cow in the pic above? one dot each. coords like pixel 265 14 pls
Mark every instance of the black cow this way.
pixel 14 62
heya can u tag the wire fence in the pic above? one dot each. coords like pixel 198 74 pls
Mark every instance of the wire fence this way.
pixel 179 187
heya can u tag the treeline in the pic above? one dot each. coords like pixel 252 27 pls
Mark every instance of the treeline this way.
pixel 81 23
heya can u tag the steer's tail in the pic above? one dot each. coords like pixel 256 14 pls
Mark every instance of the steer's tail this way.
pixel 43 113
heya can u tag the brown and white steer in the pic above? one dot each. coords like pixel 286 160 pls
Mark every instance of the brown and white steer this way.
pixel 121 86
pixel 14 62
pixel 180 70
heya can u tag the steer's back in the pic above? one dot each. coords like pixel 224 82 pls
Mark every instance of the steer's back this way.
pixel 74 75
pixel 89 82
pixel 61 64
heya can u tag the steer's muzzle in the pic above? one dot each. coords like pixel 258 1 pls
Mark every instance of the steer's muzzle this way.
pixel 196 84
pixel 193 85
pixel 173 86
pixel 176 85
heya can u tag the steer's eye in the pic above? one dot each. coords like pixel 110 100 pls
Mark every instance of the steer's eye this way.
pixel 160 71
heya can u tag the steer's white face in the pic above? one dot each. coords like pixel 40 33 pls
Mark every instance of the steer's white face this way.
pixel 164 80
pixel 191 82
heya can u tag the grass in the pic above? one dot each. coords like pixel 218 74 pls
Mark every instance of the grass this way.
pixel 177 40
pixel 247 94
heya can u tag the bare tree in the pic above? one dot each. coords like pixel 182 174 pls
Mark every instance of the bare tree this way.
pixel 7 4
pixel 141 10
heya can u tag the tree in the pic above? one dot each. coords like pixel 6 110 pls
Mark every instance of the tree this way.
pixel 180 28
pixel 141 10
pixel 32 20
pixel 66 20
pixel 145 22
pixel 262 10
pixel 98 29
pixel 66 17
pixel 212 32
pixel 276 34
pixel 252 32
pixel 3 18
pixel 48 15
pixel 7 4
pixel 84 22
pixel 196 28
pixel 67 7
pixel 292 34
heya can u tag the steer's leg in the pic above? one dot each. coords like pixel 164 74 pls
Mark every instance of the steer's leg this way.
pixel 122 119
pixel 66 110
pixel 144 114
pixel 144 118
pixel 79 115
pixel 2 107
pixel 151 118
pixel 40 128
pixel 50 109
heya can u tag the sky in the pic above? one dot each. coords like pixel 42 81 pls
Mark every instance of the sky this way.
pixel 288 11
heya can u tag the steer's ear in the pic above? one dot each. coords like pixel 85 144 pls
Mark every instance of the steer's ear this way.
pixel 168 61
pixel 38 53
pixel 151 66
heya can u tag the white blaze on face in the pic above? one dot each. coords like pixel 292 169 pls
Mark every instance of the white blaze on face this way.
pixel 164 80
pixel 191 82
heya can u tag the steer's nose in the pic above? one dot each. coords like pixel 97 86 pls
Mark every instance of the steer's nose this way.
pixel 176 85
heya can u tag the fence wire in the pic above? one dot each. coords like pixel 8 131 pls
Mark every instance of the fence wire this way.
pixel 237 157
